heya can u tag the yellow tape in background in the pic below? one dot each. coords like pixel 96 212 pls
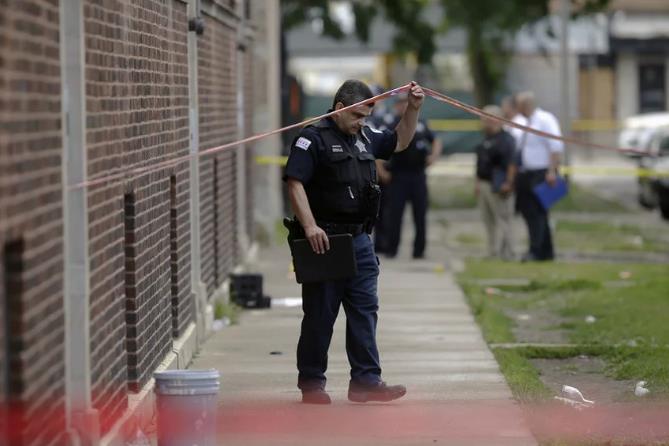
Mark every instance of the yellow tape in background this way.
pixel 266 160
pixel 473 125
pixel 596 125
pixel 613 171
pixel 454 125
pixel 460 168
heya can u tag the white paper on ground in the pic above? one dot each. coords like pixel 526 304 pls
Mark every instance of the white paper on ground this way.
pixel 574 394
pixel 287 302
pixel 640 389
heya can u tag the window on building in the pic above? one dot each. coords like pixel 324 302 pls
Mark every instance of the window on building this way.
pixel 130 288
pixel 13 262
pixel 174 258
pixel 652 87
pixel 216 218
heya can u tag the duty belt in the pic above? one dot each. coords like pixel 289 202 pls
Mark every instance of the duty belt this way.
pixel 342 228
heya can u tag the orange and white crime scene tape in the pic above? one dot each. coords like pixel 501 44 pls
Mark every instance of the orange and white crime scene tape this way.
pixel 127 173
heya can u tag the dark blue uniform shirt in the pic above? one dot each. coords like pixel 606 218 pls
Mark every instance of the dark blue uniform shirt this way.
pixel 414 158
pixel 308 148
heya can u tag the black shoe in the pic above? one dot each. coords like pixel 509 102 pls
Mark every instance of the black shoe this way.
pixel 528 257
pixel 532 258
pixel 362 393
pixel 316 396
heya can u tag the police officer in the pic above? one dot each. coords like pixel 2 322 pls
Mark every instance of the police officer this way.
pixel 408 183
pixel 331 179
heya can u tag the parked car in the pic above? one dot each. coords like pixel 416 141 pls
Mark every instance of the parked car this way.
pixel 661 183
pixel 653 176
pixel 639 132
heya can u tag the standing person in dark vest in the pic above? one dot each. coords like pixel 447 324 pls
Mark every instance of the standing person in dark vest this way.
pixel 539 160
pixel 382 119
pixel 332 185
pixel 408 183
pixel 495 177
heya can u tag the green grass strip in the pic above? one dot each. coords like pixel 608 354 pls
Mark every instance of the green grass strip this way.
pixel 522 377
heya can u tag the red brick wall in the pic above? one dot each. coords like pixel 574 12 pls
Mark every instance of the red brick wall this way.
pixel 31 224
pixel 136 76
pixel 217 58
pixel 137 105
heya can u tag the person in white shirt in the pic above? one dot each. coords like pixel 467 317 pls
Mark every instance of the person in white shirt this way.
pixel 510 111
pixel 539 159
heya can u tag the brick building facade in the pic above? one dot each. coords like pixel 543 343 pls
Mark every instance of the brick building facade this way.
pixel 139 63
pixel 31 223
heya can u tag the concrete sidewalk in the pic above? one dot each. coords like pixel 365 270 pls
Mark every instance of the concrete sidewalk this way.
pixel 428 341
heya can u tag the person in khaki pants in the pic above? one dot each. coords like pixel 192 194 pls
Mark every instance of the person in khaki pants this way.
pixel 495 173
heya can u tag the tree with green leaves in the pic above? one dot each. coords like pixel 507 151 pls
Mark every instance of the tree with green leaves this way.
pixel 414 33
pixel 490 26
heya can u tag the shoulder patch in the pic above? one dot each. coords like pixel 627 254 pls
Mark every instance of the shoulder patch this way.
pixel 303 143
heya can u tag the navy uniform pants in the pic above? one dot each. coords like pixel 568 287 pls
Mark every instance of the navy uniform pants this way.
pixel 407 187
pixel 535 216
pixel 321 302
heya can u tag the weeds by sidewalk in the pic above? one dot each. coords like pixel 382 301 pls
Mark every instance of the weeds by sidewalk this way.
pixel 458 193
pixel 227 310
pixel 593 236
pixel 603 310
pixel 573 236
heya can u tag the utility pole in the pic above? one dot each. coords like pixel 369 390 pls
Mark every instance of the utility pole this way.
pixel 565 91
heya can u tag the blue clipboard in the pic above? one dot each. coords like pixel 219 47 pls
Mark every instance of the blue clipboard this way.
pixel 549 195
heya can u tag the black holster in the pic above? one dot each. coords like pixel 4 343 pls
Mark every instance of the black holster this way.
pixel 295 230
pixel 371 200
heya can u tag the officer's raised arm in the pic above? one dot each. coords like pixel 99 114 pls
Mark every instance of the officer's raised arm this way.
pixel 318 239
pixel 407 126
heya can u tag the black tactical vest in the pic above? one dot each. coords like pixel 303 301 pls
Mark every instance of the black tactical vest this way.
pixel 343 185
pixel 414 158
